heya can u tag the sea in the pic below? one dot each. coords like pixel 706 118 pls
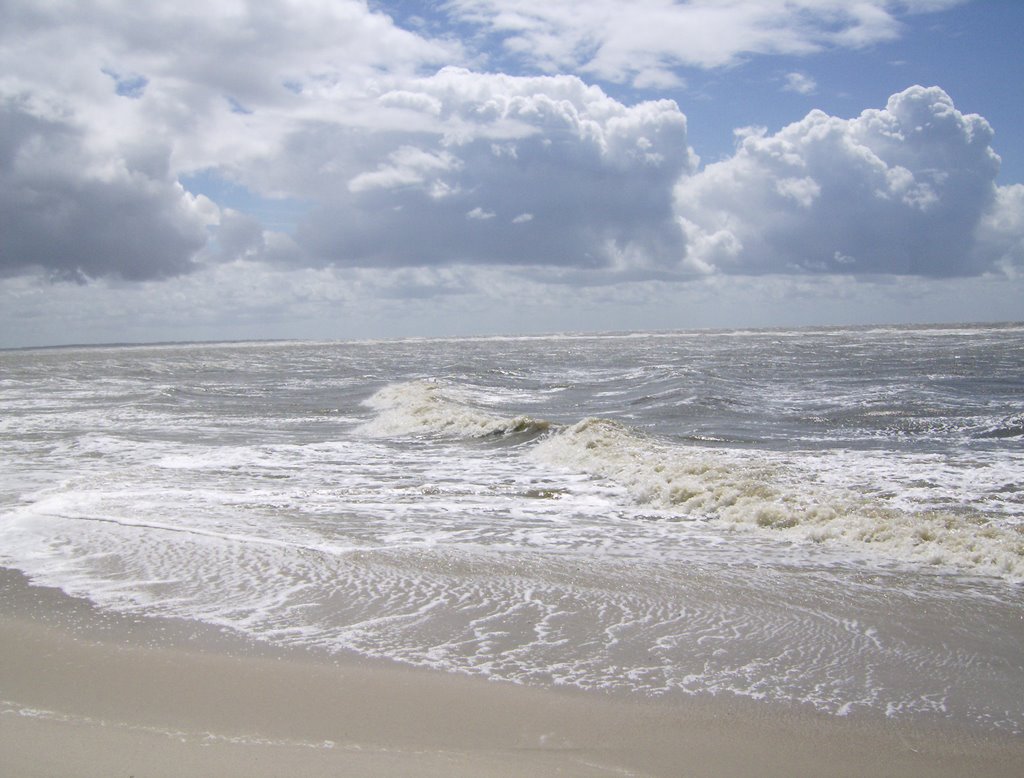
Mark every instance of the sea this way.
pixel 828 520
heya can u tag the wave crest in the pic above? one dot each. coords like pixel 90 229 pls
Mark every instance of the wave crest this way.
pixel 747 492
pixel 434 409
pixel 743 490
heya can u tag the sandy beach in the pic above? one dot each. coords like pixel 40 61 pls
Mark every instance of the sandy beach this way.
pixel 86 693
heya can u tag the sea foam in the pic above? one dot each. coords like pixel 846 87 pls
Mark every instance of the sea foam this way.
pixel 749 491
pixel 431 408
pixel 739 489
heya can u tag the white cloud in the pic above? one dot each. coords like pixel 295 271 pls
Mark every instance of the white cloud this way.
pixel 326 110
pixel 904 190
pixel 422 181
pixel 803 191
pixel 406 166
pixel 644 40
pixel 1000 235
pixel 105 104
pixel 800 83
pixel 594 175
pixel 80 214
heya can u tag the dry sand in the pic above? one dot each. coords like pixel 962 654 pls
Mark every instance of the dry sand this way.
pixel 85 693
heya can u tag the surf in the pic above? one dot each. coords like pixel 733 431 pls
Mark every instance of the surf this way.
pixel 739 490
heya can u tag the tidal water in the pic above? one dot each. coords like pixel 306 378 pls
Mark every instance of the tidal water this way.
pixel 820 518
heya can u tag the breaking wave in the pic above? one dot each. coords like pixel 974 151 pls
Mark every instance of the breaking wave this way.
pixel 434 409
pixel 742 490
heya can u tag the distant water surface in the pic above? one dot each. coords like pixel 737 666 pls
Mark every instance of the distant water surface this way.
pixel 823 518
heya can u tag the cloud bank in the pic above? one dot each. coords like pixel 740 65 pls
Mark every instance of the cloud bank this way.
pixel 908 189
pixel 105 106
pixel 404 154
pixel 79 213
pixel 504 170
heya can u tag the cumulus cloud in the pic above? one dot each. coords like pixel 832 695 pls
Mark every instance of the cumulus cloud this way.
pixel 501 169
pixel 79 214
pixel 402 163
pixel 103 106
pixel 1000 235
pixel 327 109
pixel 644 40
pixel 908 189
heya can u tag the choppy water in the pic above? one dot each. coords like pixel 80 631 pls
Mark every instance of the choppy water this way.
pixel 823 517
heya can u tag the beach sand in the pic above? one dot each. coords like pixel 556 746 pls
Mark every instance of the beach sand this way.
pixel 87 693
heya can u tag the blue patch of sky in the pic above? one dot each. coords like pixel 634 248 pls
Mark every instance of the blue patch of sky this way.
pixel 237 107
pixel 427 17
pixel 276 214
pixel 128 86
pixel 970 51
pixel 431 20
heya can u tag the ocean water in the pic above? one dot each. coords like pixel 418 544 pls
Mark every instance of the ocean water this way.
pixel 830 519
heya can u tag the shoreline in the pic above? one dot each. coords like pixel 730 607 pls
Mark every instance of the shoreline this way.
pixel 85 692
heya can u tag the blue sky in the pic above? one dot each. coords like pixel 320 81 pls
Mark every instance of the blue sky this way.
pixel 969 50
pixel 338 169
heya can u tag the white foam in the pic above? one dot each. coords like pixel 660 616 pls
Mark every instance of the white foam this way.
pixel 750 491
pixel 741 489
pixel 436 409
pixel 482 560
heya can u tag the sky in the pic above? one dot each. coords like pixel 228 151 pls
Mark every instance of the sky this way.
pixel 334 169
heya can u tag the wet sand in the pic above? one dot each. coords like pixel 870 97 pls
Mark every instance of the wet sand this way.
pixel 86 693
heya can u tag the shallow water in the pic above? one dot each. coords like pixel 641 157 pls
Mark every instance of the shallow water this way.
pixel 829 518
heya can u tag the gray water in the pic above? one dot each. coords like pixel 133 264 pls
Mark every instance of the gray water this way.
pixel 820 518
